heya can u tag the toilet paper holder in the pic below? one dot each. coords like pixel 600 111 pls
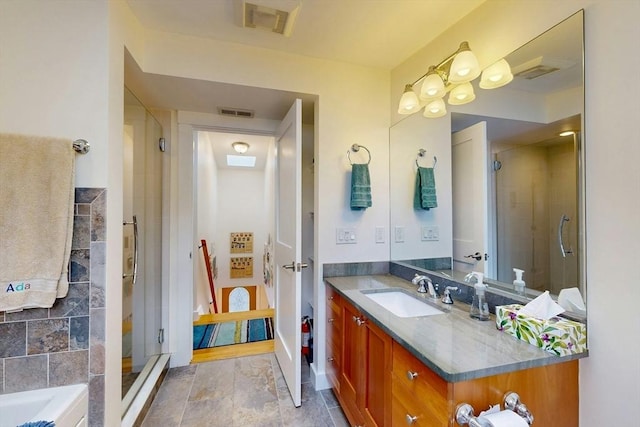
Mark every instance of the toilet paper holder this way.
pixel 511 401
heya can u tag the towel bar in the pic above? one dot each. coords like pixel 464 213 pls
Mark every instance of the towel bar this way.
pixel 355 148
pixel 81 146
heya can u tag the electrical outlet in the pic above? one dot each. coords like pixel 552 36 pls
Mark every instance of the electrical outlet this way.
pixel 380 234
pixel 399 234
pixel 346 236
pixel 430 233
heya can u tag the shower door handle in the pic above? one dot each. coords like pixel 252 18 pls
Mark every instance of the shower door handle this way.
pixel 564 251
pixel 135 250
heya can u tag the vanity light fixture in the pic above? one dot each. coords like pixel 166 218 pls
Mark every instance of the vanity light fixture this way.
pixel 454 75
pixel 496 75
pixel 409 102
pixel 435 108
pixel 240 147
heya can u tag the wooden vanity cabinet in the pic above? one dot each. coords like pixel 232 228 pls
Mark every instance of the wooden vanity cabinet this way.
pixel 380 383
pixel 334 337
pixel 364 387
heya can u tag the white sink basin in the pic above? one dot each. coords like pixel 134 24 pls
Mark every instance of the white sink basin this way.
pixel 402 304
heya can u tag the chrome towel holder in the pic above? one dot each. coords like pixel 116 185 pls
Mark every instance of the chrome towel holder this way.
pixel 81 146
pixel 421 153
pixel 355 148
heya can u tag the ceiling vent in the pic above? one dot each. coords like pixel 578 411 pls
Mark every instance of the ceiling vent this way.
pixel 538 67
pixel 235 112
pixel 271 15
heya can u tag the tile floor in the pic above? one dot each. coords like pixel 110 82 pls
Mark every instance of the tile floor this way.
pixel 246 391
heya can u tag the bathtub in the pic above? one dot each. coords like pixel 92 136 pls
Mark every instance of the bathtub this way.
pixel 66 406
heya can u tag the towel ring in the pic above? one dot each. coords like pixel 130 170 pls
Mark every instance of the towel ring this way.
pixel 355 148
pixel 421 153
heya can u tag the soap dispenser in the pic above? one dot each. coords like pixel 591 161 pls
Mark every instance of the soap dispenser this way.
pixel 518 283
pixel 479 307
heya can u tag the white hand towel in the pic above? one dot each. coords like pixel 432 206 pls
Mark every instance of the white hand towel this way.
pixel 36 219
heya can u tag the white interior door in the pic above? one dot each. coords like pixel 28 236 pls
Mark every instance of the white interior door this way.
pixel 470 163
pixel 287 250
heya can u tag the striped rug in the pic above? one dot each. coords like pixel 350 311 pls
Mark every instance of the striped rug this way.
pixel 229 333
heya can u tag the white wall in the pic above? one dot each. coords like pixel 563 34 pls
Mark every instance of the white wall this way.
pixel 207 194
pixel 613 178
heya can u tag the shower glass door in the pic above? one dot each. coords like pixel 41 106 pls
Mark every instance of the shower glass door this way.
pixel 142 244
pixel 536 212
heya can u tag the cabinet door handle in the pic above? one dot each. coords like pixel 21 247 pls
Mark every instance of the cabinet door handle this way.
pixel 330 359
pixel 411 419
pixel 331 320
pixel 360 321
pixel 411 375
pixel 330 298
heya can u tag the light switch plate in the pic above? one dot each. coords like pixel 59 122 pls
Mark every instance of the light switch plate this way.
pixel 346 235
pixel 430 233
pixel 399 234
pixel 380 234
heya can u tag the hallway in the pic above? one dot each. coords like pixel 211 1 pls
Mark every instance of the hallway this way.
pixel 247 391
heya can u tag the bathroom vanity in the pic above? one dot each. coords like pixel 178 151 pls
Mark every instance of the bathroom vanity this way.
pixel 389 370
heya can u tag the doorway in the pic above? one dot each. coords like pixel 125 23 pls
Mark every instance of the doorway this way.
pixel 232 287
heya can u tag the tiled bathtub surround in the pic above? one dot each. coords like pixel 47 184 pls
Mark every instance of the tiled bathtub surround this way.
pixel 65 344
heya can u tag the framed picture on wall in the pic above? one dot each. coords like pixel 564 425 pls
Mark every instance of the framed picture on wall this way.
pixel 241 242
pixel 241 267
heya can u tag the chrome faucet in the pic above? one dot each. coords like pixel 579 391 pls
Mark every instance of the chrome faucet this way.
pixel 425 285
pixel 421 281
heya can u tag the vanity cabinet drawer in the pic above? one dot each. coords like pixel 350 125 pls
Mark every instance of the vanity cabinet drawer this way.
pixel 415 376
pixel 417 389
pixel 333 337
pixel 333 366
pixel 410 409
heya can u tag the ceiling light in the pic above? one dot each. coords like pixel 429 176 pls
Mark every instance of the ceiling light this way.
pixel 453 74
pixel 496 75
pixel 240 147
pixel 409 102
pixel 567 133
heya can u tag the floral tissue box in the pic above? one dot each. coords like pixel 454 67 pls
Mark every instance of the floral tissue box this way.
pixel 557 335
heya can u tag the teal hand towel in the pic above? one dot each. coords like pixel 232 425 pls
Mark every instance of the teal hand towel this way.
pixel 425 192
pixel 360 187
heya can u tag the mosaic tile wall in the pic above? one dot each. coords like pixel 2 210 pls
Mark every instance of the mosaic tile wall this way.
pixel 64 344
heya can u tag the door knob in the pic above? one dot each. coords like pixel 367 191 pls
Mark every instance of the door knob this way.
pixel 291 266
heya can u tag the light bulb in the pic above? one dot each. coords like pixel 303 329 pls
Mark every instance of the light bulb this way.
pixel 496 75
pixel 462 94
pixel 409 102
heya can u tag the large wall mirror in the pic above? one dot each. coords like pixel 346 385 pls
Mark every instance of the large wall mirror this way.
pixel 510 189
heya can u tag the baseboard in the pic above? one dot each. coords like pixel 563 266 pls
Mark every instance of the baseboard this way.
pixel 320 381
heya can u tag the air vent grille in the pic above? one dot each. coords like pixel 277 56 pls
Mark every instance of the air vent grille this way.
pixel 235 112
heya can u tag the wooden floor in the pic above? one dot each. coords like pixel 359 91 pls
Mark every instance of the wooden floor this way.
pixel 236 350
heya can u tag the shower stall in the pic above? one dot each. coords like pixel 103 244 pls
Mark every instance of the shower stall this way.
pixel 142 330
pixel 536 212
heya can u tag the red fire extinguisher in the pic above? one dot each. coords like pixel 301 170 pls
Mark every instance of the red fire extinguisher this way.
pixel 306 331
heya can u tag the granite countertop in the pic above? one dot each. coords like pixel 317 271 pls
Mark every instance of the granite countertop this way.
pixel 452 344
